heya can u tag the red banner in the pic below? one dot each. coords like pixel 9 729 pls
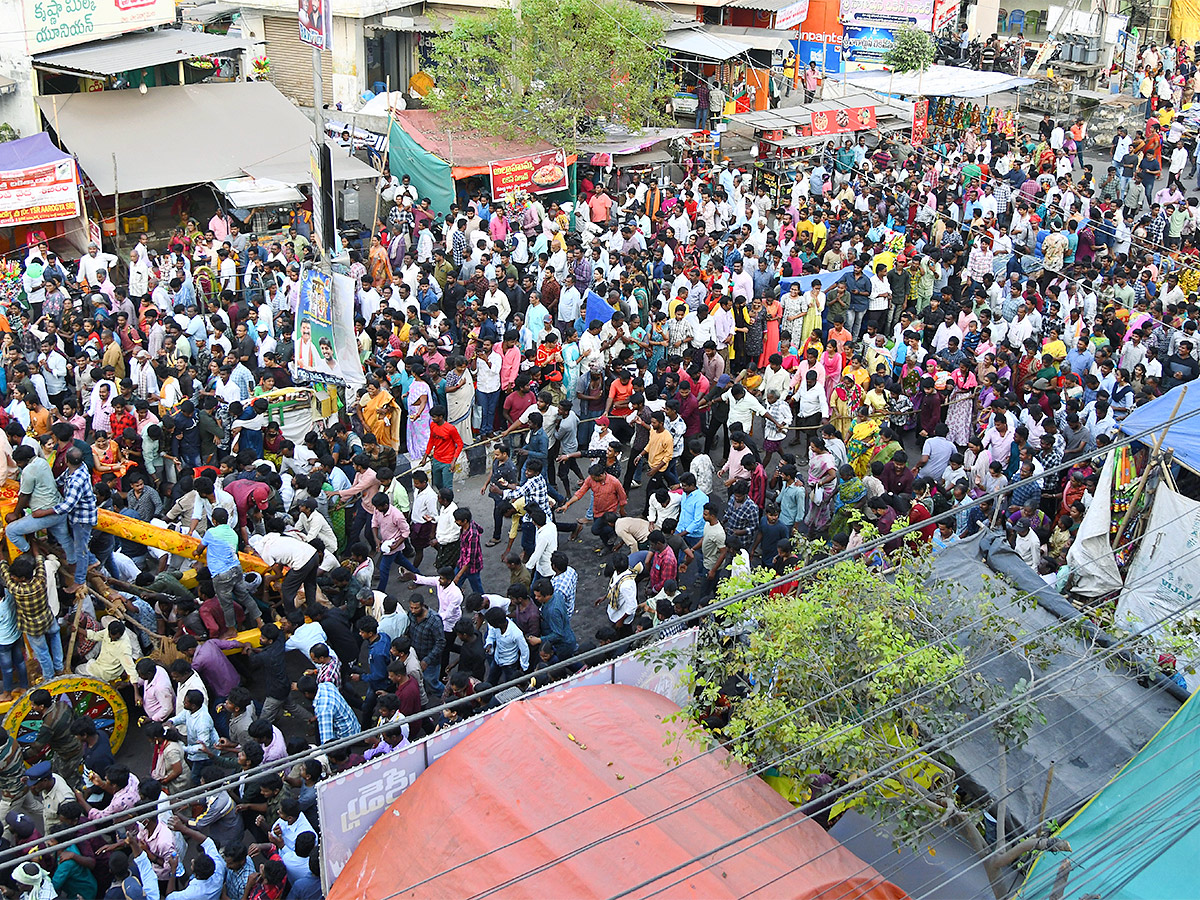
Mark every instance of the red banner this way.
pixel 854 118
pixel 41 193
pixel 920 129
pixel 534 174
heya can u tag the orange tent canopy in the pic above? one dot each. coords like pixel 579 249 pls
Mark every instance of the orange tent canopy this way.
pixel 537 762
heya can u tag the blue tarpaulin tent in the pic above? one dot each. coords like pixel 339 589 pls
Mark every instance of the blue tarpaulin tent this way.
pixel 1183 437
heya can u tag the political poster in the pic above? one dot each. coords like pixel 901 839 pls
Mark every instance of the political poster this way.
pixel 326 347
pixel 534 174
pixel 316 23
pixel 41 193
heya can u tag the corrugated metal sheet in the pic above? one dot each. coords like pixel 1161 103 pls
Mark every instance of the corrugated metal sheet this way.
pixel 139 51
pixel 761 5
pixel 291 60
pixel 768 39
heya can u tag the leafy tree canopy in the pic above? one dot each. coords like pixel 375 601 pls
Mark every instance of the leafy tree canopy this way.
pixel 913 51
pixel 556 69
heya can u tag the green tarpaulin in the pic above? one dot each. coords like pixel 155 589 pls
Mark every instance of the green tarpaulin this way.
pixel 1139 837
pixel 429 173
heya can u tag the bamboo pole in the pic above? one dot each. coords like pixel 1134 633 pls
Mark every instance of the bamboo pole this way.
pixel 1151 463
pixel 387 143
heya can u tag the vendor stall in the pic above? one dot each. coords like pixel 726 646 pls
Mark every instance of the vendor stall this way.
pixel 40 198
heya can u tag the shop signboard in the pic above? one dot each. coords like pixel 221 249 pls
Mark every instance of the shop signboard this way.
pixel 867 46
pixel 837 121
pixel 888 13
pixel 920 128
pixel 534 174
pixel 41 193
pixel 945 13
pixel 792 16
pixel 50 24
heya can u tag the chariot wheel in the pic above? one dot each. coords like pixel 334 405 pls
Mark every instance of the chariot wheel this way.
pixel 89 697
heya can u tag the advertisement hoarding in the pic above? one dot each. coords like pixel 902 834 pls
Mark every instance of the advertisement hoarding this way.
pixel 50 24
pixel 533 174
pixel 888 13
pixel 867 46
pixel 792 16
pixel 41 193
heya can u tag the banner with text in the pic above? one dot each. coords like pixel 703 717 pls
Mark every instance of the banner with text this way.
pixel 888 13
pixel 50 24
pixel 920 129
pixel 534 174
pixel 854 118
pixel 41 193
pixel 350 803
pixel 792 16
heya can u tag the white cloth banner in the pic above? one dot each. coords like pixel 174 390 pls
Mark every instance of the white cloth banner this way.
pixel 1090 557
pixel 1162 579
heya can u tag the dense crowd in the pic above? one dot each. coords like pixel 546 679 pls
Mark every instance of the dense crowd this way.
pixel 695 374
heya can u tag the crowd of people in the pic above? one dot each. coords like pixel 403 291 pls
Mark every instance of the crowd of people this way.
pixel 681 377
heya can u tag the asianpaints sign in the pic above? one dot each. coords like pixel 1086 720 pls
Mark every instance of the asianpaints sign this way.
pixel 534 174
pixel 41 193
pixel 836 121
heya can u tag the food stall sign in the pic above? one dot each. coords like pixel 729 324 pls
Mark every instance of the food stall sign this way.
pixel 534 174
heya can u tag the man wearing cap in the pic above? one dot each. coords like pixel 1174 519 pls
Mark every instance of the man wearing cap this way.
pixel 48 790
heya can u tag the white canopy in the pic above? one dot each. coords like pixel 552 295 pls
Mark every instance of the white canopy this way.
pixel 937 81
pixel 252 193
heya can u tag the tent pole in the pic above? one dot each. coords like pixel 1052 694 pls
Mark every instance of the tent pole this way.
pixel 1151 463
pixel 387 143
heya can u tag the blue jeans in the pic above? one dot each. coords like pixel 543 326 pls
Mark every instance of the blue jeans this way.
pixel 443 476
pixel 56 525
pixel 12 661
pixel 78 554
pixel 701 118
pixel 487 412
pixel 386 560
pixel 48 650
pixel 473 579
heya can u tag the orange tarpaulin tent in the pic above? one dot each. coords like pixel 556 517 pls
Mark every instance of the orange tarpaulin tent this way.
pixel 577 766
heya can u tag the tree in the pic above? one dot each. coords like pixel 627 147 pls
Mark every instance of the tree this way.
pixel 913 51
pixel 844 685
pixel 557 70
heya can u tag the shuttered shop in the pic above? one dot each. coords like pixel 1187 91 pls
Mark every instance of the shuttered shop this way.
pixel 291 60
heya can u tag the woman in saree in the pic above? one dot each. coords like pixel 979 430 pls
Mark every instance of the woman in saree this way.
pixel 418 403
pixel 819 484
pixel 857 370
pixel 850 496
pixel 847 398
pixel 770 343
pixel 864 441
pixel 107 456
pixel 380 265
pixel 887 445
pixel 810 325
pixel 831 363
pixel 460 397
pixel 959 416
pixel 380 415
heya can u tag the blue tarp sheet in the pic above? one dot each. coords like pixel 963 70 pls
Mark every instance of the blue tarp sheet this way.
pixel 29 151
pixel 1183 437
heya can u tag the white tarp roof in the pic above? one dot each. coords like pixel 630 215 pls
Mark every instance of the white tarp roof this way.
pixel 703 45
pixel 251 193
pixel 139 51
pixel 937 81
pixel 129 124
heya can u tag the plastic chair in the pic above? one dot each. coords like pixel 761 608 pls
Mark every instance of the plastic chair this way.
pixel 1016 20
pixel 1002 20
pixel 1033 21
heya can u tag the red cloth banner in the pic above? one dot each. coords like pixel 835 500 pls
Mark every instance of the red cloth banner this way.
pixel 534 174
pixel 854 118
pixel 920 129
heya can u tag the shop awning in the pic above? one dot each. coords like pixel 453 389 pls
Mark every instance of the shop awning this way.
pixel 760 5
pixel 701 44
pixel 129 126
pixel 416 24
pixel 937 81
pixel 138 51
pixel 7 85
pixel 252 193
